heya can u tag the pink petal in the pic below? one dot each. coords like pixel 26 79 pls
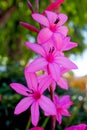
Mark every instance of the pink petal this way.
pixel 31 79
pixel 58 41
pixel 35 113
pixel 77 127
pixel 47 45
pixel 36 128
pixel 37 64
pixel 62 29
pixel 67 45
pixel 23 105
pixel 56 99
pixel 36 48
pixel 66 63
pixel 71 45
pixel 44 35
pixel 66 42
pixel 64 70
pixel 63 83
pixel 59 118
pixel 19 88
pixel 65 101
pixel 29 27
pixel 41 19
pixel 54 70
pixel 51 16
pixel 65 112
pixel 47 105
pixel 54 5
pixel 40 77
pixel 62 19
pixel 44 83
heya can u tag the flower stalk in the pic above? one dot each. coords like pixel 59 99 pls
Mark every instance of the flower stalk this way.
pixel 28 124
pixel 52 41
pixel 30 6
pixel 53 119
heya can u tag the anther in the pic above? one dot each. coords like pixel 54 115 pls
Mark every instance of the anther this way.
pixel 57 20
pixel 30 92
pixel 52 49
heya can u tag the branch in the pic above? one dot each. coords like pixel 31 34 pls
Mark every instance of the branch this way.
pixel 6 14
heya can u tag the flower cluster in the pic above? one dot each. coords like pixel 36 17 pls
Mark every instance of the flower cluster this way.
pixel 52 41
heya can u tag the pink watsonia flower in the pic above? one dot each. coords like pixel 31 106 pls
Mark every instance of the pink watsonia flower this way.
pixel 54 5
pixel 36 128
pixel 62 105
pixel 34 96
pixel 53 26
pixel 50 59
pixel 62 43
pixel 77 127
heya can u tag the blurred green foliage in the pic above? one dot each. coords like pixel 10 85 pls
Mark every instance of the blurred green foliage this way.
pixel 14 56
pixel 13 35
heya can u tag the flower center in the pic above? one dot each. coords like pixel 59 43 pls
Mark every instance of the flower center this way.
pixel 59 109
pixel 53 26
pixel 37 95
pixel 50 57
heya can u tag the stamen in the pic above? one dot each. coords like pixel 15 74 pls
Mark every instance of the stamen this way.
pixel 30 92
pixel 51 50
pixel 57 20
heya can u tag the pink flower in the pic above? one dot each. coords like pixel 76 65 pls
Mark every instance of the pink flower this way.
pixel 63 43
pixel 50 59
pixel 53 24
pixel 62 104
pixel 77 127
pixel 34 96
pixel 36 128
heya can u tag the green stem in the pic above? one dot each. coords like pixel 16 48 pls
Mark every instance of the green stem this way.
pixel 28 124
pixel 45 122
